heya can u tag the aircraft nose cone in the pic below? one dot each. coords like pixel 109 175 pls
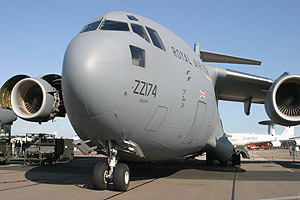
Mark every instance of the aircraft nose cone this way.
pixel 93 72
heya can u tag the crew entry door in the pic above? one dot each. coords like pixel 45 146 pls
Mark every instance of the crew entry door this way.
pixel 197 123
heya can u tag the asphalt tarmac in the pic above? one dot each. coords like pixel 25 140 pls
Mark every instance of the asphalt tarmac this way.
pixel 267 175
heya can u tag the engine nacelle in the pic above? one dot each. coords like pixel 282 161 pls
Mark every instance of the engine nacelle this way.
pixel 34 99
pixel 282 102
pixel 7 116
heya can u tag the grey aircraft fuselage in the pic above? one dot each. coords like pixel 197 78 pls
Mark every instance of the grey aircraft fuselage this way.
pixel 134 90
pixel 167 106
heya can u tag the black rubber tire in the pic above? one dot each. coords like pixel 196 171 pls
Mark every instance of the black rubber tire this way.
pixel 236 160
pixel 223 163
pixel 121 177
pixel 3 162
pixel 99 176
pixel 209 160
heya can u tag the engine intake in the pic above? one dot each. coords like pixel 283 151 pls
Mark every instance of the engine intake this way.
pixel 34 99
pixel 282 102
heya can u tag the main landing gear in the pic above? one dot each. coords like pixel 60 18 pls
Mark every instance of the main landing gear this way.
pixel 235 158
pixel 118 173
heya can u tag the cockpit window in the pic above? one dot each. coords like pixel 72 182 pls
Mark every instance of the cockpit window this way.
pixel 91 27
pixel 140 31
pixel 155 38
pixel 132 18
pixel 114 26
pixel 138 56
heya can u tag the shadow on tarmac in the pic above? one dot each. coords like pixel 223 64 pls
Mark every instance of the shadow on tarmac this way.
pixel 285 164
pixel 288 164
pixel 79 172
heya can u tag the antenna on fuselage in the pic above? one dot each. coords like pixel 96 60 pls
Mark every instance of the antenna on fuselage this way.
pixel 197 49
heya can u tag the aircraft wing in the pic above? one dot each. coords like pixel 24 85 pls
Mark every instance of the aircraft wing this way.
pixel 236 86
pixel 208 56
pixel 293 138
pixel 281 96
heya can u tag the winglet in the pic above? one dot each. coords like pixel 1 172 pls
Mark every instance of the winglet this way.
pixel 208 56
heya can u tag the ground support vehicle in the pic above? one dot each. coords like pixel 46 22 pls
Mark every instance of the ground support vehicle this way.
pixel 4 151
pixel 46 149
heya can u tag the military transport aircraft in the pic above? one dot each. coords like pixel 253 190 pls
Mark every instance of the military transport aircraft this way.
pixel 136 91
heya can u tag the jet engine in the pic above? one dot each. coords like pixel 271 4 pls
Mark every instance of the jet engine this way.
pixel 282 102
pixel 34 99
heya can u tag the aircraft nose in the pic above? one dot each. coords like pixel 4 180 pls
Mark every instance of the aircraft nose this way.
pixel 93 73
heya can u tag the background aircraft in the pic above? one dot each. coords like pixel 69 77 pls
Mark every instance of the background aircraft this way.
pixel 243 139
pixel 215 143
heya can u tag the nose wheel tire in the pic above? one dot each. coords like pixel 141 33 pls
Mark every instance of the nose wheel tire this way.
pixel 121 177
pixel 100 174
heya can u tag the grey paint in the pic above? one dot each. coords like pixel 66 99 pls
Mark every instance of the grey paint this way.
pixel 109 98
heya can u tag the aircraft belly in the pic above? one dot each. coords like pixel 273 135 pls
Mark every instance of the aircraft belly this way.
pixel 157 151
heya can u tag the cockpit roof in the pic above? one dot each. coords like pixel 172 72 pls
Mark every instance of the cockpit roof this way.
pixel 123 16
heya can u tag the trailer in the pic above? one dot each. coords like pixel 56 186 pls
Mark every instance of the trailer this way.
pixel 5 147
pixel 46 149
pixel 4 151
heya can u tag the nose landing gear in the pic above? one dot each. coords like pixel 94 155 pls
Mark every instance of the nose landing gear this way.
pixel 118 173
pixel 121 177
pixel 100 176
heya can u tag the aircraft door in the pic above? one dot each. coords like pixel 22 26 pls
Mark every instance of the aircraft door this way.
pixel 157 119
pixel 197 123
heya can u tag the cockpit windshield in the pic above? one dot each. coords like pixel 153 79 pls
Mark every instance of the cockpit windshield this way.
pixel 156 39
pixel 114 26
pixel 140 31
pixel 91 27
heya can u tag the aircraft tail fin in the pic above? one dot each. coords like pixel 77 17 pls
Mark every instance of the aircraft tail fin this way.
pixel 289 131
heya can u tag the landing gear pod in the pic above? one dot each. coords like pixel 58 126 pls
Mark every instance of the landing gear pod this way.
pixel 282 102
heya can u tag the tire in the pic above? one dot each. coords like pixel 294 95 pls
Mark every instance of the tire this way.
pixel 43 163
pixel 223 163
pixel 99 176
pixel 3 162
pixel 121 177
pixel 236 160
pixel 209 160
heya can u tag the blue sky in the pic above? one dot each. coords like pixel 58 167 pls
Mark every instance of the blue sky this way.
pixel 35 34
